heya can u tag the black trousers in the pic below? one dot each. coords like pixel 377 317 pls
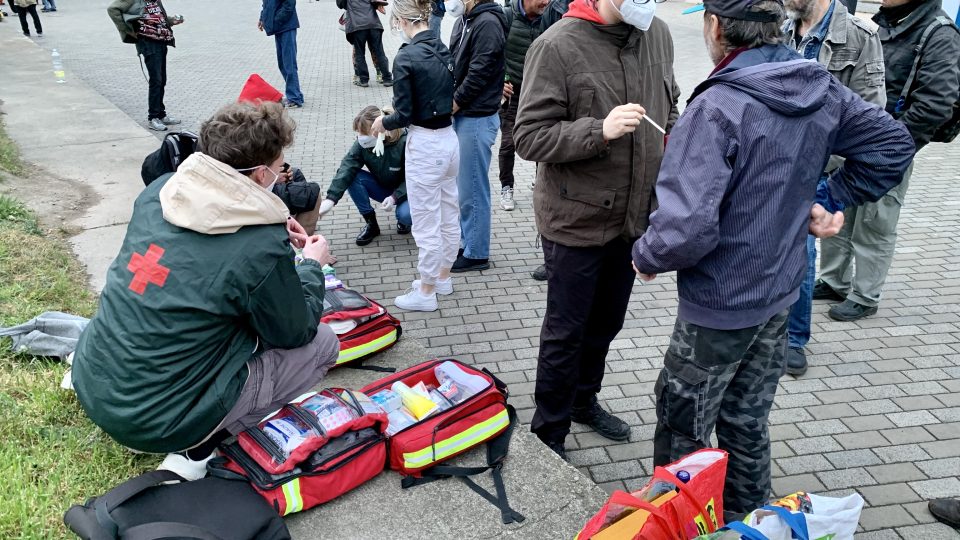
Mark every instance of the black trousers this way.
pixel 587 294
pixel 373 38
pixel 507 156
pixel 32 10
pixel 155 58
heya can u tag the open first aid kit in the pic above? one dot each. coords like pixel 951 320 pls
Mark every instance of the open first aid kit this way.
pixel 326 443
pixel 363 326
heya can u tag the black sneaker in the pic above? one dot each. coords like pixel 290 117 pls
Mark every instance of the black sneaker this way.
pixel 822 291
pixel 539 273
pixel 402 229
pixel 388 84
pixel 796 361
pixel 361 84
pixel 602 422
pixel 849 310
pixel 463 264
pixel 559 449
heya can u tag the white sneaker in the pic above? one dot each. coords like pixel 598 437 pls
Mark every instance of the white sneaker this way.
pixel 440 287
pixel 506 198
pixel 413 300
pixel 185 467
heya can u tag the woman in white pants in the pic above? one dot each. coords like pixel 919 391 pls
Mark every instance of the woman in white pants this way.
pixel 423 100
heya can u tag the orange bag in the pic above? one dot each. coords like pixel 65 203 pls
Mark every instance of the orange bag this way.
pixel 667 508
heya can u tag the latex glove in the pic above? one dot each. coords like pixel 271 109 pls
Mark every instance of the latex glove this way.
pixel 388 204
pixel 378 148
pixel 326 206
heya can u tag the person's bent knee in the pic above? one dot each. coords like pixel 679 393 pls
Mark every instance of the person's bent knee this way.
pixel 327 348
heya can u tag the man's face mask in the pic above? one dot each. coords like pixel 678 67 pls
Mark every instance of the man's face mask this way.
pixel 454 7
pixel 367 141
pixel 276 176
pixel 638 13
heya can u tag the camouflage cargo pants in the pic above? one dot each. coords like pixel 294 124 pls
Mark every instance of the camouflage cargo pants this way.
pixel 723 379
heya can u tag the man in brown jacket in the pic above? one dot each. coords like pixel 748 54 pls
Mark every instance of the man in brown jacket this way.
pixel 588 82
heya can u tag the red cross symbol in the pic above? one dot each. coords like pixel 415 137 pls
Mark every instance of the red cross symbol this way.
pixel 146 269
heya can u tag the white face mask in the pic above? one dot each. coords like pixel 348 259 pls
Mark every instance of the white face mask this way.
pixel 455 8
pixel 637 14
pixel 367 141
pixel 276 176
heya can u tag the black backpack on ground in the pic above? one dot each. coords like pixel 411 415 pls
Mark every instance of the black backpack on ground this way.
pixel 174 149
pixel 146 508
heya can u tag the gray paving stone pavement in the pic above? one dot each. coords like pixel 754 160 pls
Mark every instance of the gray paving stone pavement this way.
pixel 878 412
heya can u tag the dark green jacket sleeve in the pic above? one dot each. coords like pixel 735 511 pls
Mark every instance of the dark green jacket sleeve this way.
pixel 286 307
pixel 400 194
pixel 350 165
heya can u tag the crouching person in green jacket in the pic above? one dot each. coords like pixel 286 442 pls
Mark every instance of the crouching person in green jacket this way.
pixel 205 325
pixel 383 180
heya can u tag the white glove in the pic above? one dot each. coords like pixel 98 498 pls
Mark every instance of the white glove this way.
pixel 326 206
pixel 378 149
pixel 388 204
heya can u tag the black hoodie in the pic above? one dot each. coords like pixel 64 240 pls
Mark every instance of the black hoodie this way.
pixel 477 45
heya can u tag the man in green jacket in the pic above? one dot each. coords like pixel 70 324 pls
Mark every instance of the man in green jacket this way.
pixel 382 181
pixel 205 325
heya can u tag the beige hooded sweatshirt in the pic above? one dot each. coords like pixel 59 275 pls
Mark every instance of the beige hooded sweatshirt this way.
pixel 210 197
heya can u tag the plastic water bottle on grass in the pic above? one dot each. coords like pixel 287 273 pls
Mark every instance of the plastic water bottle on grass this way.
pixel 58 67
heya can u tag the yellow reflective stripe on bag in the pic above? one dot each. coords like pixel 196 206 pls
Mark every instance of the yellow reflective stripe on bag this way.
pixel 346 355
pixel 461 441
pixel 291 493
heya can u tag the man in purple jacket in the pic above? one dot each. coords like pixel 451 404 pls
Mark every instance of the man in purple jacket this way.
pixel 737 189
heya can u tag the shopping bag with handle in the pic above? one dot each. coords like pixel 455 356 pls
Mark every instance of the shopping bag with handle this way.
pixel 683 500
pixel 800 516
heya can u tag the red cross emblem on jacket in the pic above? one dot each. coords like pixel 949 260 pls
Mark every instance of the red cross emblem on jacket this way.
pixel 147 269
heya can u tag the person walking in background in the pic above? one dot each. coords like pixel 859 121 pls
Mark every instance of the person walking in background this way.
pixel 735 206
pixel 436 17
pixel 146 24
pixel 49 5
pixel 477 45
pixel 423 103
pixel 382 181
pixel 819 30
pixel 523 26
pixel 364 30
pixel 278 18
pixel 28 7
pixel 580 119
pixel 869 234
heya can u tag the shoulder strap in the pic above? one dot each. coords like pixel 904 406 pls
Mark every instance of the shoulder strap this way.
pixel 940 22
pixel 124 492
pixel 158 530
pixel 496 452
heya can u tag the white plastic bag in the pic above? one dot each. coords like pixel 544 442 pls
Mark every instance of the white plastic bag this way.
pixel 829 516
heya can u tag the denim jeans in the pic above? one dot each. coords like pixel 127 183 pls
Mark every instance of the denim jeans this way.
pixel 287 61
pixel 49 4
pixel 476 136
pixel 155 58
pixel 365 187
pixel 435 22
pixel 798 324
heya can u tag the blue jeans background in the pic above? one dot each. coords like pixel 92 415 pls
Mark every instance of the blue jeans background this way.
pixel 365 187
pixel 476 137
pixel 287 60
pixel 798 323
pixel 49 4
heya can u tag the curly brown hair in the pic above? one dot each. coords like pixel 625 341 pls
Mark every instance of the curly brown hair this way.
pixel 246 135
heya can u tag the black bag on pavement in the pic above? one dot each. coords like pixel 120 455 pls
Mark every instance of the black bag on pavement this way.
pixel 298 194
pixel 145 508
pixel 173 150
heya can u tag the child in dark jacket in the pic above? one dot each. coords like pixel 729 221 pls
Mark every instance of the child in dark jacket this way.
pixel 423 100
